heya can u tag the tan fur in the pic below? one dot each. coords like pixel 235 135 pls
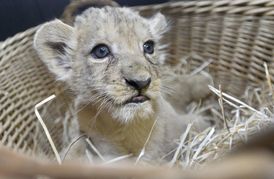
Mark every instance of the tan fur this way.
pixel 186 88
pixel 72 10
pixel 100 89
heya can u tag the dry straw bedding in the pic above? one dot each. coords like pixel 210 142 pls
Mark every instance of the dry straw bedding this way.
pixel 237 120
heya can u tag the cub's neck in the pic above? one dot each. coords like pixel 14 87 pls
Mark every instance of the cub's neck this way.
pixel 128 138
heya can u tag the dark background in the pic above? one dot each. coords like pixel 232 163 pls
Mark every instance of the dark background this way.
pixel 19 15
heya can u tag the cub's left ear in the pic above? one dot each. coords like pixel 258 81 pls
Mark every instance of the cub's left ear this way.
pixel 158 24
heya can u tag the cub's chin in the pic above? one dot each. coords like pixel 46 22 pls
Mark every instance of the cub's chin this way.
pixel 133 111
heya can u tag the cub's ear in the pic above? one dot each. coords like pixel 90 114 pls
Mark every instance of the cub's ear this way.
pixel 54 43
pixel 77 7
pixel 158 24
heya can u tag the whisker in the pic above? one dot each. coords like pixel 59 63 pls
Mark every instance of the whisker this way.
pixel 168 90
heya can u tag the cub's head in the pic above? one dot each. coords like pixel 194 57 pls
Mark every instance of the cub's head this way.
pixel 108 58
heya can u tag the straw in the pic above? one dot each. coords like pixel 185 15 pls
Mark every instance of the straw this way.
pixel 45 127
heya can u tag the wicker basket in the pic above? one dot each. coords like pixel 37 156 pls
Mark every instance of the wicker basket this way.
pixel 237 35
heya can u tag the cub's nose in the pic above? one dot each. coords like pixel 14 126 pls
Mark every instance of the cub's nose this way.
pixel 138 84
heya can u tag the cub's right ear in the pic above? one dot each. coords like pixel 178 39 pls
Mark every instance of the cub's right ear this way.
pixel 54 43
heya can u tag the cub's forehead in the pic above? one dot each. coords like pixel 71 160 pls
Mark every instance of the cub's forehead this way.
pixel 113 24
pixel 113 15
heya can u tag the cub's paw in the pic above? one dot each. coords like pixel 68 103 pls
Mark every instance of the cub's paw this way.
pixel 183 89
pixel 199 85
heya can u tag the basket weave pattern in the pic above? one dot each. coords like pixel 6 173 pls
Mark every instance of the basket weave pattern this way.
pixel 238 36
pixel 24 82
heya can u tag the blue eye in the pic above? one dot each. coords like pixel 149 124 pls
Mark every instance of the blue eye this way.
pixel 149 47
pixel 100 51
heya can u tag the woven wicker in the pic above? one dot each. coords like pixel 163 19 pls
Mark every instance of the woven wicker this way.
pixel 237 35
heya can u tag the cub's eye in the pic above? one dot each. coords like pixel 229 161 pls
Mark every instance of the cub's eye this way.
pixel 149 47
pixel 100 51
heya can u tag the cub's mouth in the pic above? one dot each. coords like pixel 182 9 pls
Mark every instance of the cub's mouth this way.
pixel 137 99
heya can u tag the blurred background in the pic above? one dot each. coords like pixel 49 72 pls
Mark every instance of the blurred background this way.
pixel 19 15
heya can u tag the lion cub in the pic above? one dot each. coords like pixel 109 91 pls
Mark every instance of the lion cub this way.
pixel 110 59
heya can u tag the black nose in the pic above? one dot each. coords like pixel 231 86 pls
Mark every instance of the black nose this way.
pixel 139 84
